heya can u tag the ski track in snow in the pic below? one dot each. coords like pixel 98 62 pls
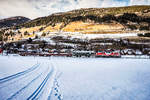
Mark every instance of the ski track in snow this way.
pixel 18 74
pixel 29 84
pixel 11 82
pixel 39 89
pixel 13 96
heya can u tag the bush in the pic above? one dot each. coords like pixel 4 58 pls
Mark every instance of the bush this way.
pixel 144 27
pixel 144 35
pixel 140 35
pixel 132 27
pixel 147 34
pixel 44 34
pixel 29 40
pixel 1 37
pixel 26 33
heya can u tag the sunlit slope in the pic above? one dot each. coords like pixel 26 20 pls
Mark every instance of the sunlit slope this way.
pixel 94 20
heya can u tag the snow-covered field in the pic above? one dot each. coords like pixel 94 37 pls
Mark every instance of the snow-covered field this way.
pixel 57 78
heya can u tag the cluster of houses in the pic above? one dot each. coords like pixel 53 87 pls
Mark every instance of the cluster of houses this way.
pixel 75 48
pixel 34 50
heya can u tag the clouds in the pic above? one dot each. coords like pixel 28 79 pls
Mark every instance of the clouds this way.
pixel 65 5
pixel 139 2
pixel 88 3
pixel 114 3
pixel 37 8
pixel 17 8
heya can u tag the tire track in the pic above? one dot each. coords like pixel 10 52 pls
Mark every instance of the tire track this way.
pixel 15 94
pixel 5 79
pixel 39 89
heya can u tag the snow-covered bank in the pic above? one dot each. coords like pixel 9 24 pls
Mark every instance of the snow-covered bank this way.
pixel 93 36
pixel 77 78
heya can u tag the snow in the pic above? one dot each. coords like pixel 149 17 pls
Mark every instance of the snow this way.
pixel 68 44
pixel 144 43
pixel 11 64
pixel 136 56
pixel 47 40
pixel 102 43
pixel 104 79
pixel 75 78
pixel 93 36
pixel 38 33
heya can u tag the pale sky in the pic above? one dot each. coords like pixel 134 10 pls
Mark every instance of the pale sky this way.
pixel 38 8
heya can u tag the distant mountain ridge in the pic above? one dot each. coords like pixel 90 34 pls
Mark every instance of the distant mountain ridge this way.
pixel 9 22
pixel 130 19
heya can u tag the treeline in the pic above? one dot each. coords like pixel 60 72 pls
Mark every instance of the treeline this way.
pixel 144 35
pixel 66 19
pixel 1 35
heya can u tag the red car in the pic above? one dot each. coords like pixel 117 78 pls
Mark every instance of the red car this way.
pixel 108 54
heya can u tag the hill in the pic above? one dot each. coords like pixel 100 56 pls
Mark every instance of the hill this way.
pixel 9 22
pixel 118 18
pixel 88 20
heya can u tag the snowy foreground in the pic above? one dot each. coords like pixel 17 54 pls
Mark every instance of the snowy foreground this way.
pixel 58 78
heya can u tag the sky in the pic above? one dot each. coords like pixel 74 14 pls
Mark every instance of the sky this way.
pixel 39 8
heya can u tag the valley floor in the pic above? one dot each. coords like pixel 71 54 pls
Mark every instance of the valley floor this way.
pixel 62 78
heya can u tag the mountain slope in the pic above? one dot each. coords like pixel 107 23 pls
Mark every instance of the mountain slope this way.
pixel 8 22
pixel 89 20
pixel 132 17
pixel 95 14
